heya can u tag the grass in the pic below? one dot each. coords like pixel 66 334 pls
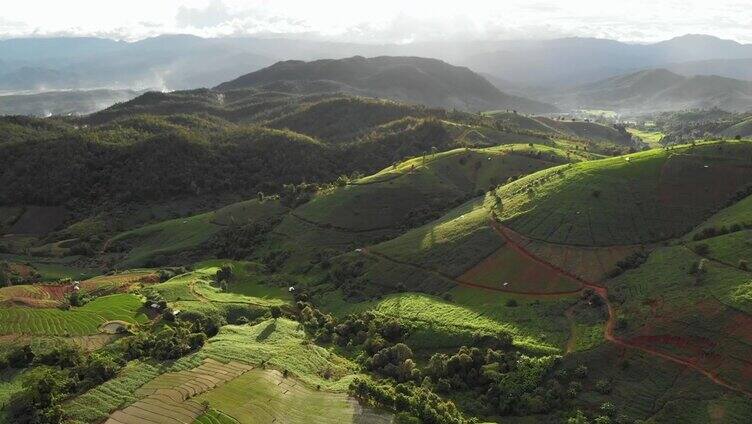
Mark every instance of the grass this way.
pixel 639 198
pixel 166 238
pixel 11 382
pixel 212 416
pixel 191 233
pixel 54 269
pixel 96 404
pixel 508 269
pixel 738 213
pixel 75 322
pixel 452 244
pixel 246 286
pixel 653 390
pixel 281 344
pixel 702 319
pixel 537 325
pixel 435 183
pixel 262 396
pixel 385 204
pixel 652 138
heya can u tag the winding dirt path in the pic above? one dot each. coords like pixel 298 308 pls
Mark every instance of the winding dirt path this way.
pixel 449 278
pixel 609 333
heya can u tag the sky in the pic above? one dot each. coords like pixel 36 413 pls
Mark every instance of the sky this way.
pixel 382 21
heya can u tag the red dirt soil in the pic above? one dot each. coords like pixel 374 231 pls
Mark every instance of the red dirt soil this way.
pixel 611 323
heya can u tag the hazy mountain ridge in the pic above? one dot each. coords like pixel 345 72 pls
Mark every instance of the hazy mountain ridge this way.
pixel 575 61
pixel 182 61
pixel 660 90
pixel 411 79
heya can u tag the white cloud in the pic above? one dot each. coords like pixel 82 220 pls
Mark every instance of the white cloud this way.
pixel 384 20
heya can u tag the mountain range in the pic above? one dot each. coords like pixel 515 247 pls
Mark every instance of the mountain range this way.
pixel 411 79
pixel 183 61
pixel 659 90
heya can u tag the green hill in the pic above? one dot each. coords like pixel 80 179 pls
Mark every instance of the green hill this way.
pixel 409 79
pixel 641 198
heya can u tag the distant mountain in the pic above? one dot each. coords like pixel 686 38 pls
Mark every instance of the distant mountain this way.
pixel 75 102
pixel 166 62
pixel 177 62
pixel 660 90
pixel 729 68
pixel 410 79
pixel 575 61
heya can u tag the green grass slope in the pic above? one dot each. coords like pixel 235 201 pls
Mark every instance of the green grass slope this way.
pixel 394 197
pixel 640 198
pixel 144 245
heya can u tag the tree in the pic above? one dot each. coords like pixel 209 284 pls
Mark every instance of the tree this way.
pixel 4 274
pixel 276 312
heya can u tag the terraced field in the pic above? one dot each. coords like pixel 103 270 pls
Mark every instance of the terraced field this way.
pixel 169 399
pixel 266 396
pixel 82 321
pixel 42 296
pixel 97 404
pixel 124 281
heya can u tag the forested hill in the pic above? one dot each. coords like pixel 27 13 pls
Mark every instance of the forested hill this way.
pixel 410 79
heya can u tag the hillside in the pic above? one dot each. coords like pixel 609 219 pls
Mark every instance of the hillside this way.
pixel 409 79
pixel 592 132
pixel 661 90
pixel 566 62
pixel 62 102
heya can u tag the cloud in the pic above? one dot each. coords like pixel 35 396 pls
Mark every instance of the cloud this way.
pixel 214 14
pixel 385 21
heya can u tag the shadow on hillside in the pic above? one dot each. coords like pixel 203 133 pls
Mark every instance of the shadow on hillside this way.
pixel 267 331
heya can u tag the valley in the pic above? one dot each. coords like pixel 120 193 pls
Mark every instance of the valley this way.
pixel 307 231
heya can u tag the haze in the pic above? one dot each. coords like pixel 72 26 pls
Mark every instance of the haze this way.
pixel 388 21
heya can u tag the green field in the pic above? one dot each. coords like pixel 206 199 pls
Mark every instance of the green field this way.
pixel 96 404
pixel 639 198
pixel 246 286
pixel 652 138
pixel 263 396
pixel 75 322
pixel 191 233
pixel 537 324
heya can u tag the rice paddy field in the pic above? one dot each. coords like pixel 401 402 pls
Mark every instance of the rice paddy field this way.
pixel 266 396
pixel 85 320
pixel 281 344
pixel 96 404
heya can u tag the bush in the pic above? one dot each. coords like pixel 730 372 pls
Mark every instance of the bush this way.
pixel 20 357
pixel 701 249
pixel 603 386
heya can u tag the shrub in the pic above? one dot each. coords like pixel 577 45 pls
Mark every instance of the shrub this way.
pixel 701 249
pixel 603 386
